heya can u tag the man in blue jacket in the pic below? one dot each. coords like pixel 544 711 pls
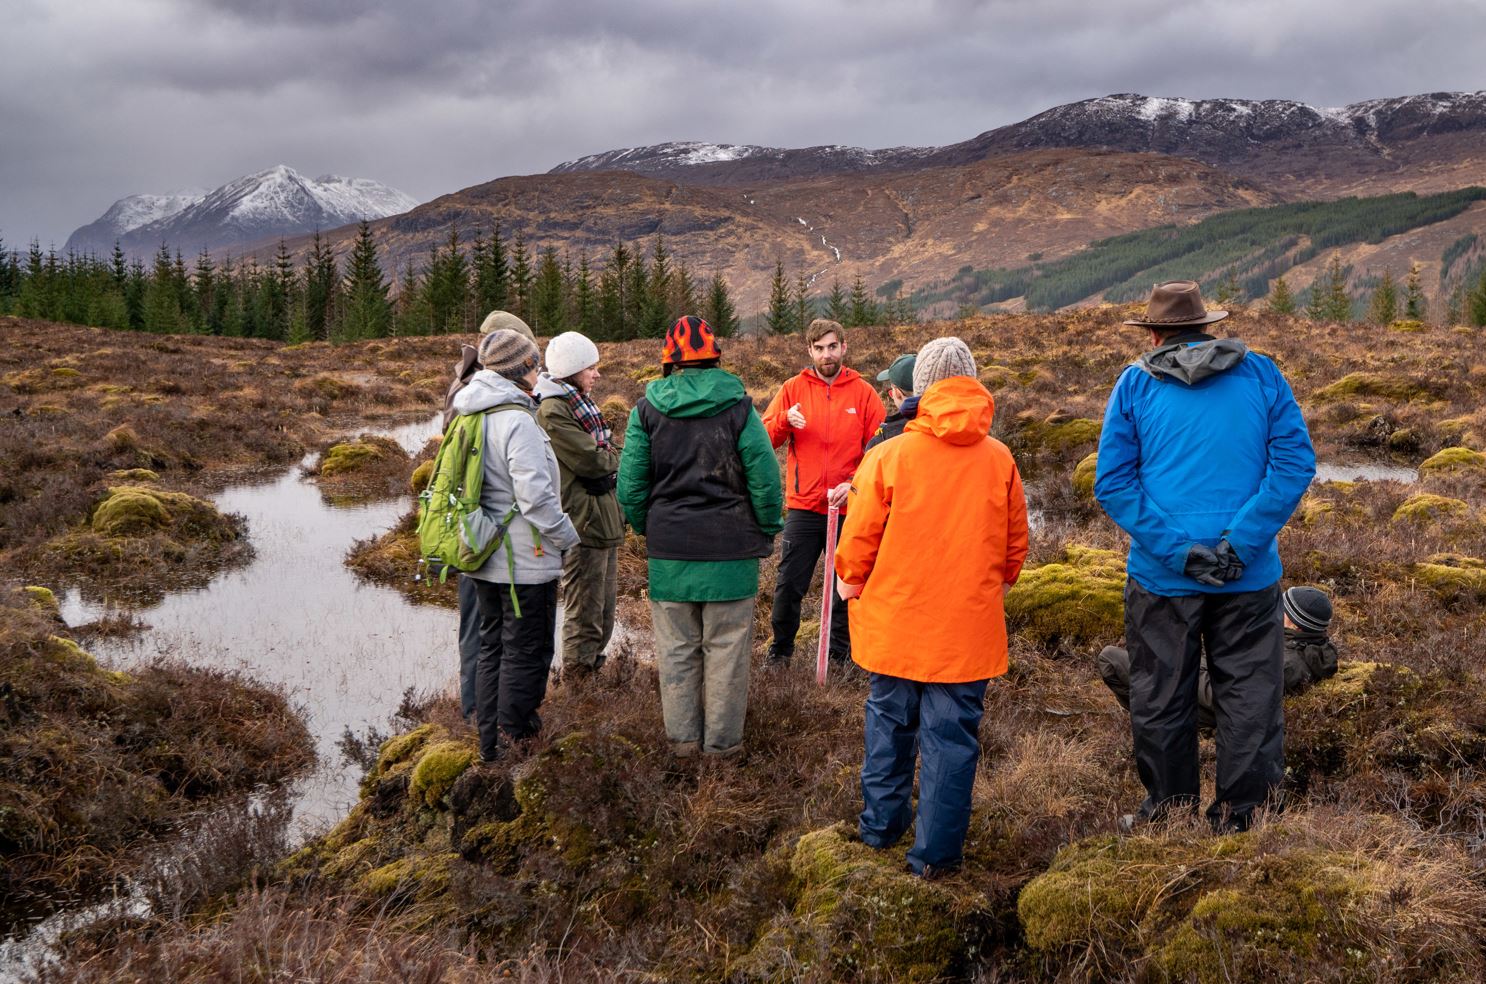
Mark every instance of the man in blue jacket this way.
pixel 1203 457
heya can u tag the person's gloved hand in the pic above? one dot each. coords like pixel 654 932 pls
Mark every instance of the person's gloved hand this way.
pixel 1230 568
pixel 1203 565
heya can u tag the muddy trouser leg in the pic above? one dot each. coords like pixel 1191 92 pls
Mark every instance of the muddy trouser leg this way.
pixel 469 644
pixel 727 641
pixel 528 644
pixel 891 741
pixel 949 747
pixel 589 583
pixel 801 544
pixel 492 600
pixel 1114 669
pixel 1164 637
pixel 1245 642
pixel 678 658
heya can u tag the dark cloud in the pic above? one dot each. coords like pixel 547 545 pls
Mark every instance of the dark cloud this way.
pixel 100 99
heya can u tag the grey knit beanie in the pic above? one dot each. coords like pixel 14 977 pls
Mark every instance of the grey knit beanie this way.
pixel 496 320
pixel 508 353
pixel 941 359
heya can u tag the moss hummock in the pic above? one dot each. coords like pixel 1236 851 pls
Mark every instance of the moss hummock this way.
pixel 436 770
pixel 1291 902
pixel 1453 577
pixel 1084 474
pixel 1425 507
pixel 1077 599
pixel 858 912
pixel 1451 460
pixel 1376 385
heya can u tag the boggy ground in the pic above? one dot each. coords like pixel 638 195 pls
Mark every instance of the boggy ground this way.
pixel 592 855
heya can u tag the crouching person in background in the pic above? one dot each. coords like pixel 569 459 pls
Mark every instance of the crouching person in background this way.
pixel 588 463
pixel 517 587
pixel 935 535
pixel 699 479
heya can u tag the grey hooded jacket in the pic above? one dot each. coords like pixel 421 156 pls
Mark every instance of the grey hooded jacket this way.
pixel 520 470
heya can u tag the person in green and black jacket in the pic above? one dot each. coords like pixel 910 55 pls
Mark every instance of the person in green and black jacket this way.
pixel 699 478
pixel 588 461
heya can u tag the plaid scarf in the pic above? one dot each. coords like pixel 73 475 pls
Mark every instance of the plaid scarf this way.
pixel 588 414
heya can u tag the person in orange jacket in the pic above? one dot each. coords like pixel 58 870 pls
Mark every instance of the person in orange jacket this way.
pixel 936 535
pixel 826 415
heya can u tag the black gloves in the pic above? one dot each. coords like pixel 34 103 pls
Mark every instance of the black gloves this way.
pixel 599 486
pixel 1203 565
pixel 1230 567
pixel 1213 566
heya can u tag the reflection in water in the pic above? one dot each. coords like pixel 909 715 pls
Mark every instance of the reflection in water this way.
pixel 1332 471
pixel 296 616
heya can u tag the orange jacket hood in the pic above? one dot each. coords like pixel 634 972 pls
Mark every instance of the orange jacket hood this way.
pixel 958 410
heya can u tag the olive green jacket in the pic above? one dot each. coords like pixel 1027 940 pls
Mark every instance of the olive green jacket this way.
pixel 579 456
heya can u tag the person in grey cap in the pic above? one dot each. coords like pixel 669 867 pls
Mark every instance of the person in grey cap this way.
pixel 469 606
pixel 517 588
pixel 1310 655
pixel 899 379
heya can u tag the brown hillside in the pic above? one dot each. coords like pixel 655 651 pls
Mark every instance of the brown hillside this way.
pixel 917 225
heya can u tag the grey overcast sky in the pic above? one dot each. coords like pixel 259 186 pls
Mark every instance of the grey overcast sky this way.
pixel 104 98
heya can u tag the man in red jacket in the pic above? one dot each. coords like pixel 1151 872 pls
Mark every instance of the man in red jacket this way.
pixel 826 414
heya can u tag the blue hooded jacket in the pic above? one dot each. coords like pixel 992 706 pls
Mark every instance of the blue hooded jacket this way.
pixel 1202 439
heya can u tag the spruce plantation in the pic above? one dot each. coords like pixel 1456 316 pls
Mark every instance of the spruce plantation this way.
pixel 590 854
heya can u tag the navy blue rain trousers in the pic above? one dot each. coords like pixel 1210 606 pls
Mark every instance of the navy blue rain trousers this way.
pixel 942 720
pixel 469 645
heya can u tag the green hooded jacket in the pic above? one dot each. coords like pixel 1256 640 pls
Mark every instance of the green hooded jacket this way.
pixel 701 393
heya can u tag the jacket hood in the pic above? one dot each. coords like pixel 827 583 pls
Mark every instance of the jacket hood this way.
pixel 695 392
pixel 958 410
pixel 488 389
pixel 547 386
pixel 1192 363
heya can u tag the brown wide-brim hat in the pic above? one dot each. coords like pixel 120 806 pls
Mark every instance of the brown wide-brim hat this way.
pixel 1175 304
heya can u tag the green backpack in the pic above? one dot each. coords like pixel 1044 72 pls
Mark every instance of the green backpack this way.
pixel 453 531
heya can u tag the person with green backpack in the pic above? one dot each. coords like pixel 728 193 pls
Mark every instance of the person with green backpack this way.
pixel 521 531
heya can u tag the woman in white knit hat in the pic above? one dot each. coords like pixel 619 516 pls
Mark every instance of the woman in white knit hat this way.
pixel 588 460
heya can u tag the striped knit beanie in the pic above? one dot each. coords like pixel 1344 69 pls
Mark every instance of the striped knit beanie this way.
pixel 1308 608
pixel 941 359
pixel 509 353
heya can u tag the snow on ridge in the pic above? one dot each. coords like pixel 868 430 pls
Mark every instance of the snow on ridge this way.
pixel 128 214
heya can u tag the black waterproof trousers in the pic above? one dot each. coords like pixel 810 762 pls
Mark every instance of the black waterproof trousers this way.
pixel 469 644
pixel 515 658
pixel 1243 636
pixel 803 541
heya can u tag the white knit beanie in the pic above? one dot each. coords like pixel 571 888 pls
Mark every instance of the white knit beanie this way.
pixel 941 359
pixel 569 354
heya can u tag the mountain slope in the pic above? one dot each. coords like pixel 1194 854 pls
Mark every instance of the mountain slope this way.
pixel 275 202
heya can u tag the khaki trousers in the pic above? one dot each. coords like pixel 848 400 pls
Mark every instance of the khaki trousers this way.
pixel 590 585
pixel 702 650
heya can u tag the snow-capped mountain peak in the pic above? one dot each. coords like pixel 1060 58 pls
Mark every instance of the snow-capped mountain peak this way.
pixel 275 201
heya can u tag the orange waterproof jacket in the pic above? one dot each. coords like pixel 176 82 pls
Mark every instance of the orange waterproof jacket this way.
pixel 840 418
pixel 937 529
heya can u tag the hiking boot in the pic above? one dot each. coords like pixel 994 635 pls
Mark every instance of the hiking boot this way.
pixel 724 754
pixel 931 872
pixel 777 659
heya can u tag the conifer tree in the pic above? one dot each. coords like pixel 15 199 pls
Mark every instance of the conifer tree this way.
pixel 613 302
pixel 863 309
pixel 1414 304
pixel 521 279
pixel 719 311
pixel 446 286
pixel 780 318
pixel 1475 301
pixel 162 310
pixel 414 316
pixel 368 311
pixel 205 284
pixel 1382 307
pixel 547 314
pixel 585 299
pixel 1329 298
pixel 640 311
pixel 120 268
pixel 492 277
pixel 804 305
pixel 683 294
pixel 655 319
pixel 134 294
pixel 321 290
pixel 838 308
pixel 1281 300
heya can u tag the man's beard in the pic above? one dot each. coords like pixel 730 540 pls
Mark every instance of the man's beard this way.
pixel 828 368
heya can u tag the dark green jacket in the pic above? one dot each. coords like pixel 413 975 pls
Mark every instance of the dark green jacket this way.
pixel 578 456
pixel 701 393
